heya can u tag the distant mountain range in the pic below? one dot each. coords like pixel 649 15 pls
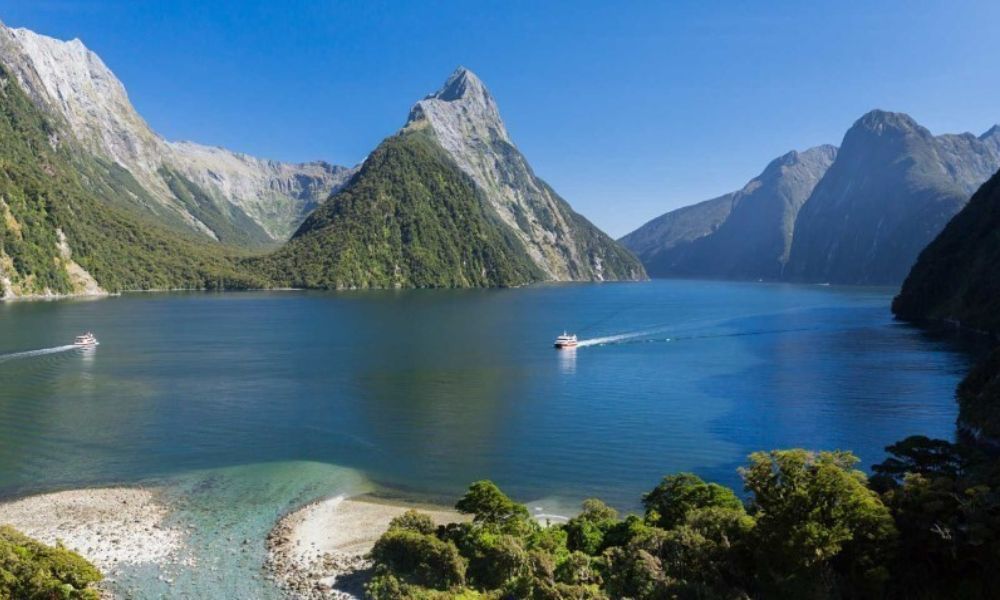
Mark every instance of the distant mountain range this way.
pixel 469 211
pixel 857 215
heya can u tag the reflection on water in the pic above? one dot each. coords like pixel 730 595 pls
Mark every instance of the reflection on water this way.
pixel 425 391
pixel 567 361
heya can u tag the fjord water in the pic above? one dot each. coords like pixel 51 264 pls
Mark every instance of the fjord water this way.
pixel 425 391
pixel 242 406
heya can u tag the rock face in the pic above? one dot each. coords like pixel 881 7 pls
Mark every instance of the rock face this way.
pixel 241 199
pixel 857 215
pixel 464 120
pixel 743 235
pixel 891 190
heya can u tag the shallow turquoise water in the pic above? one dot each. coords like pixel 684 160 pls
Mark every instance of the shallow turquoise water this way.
pixel 247 404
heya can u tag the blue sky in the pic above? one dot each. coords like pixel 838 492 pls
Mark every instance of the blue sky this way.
pixel 628 109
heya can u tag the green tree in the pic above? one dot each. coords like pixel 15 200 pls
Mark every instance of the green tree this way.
pixel 817 524
pixel 413 520
pixel 488 505
pixel 670 502
pixel 586 531
pixel 420 559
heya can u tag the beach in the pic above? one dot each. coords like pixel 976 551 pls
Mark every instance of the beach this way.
pixel 318 551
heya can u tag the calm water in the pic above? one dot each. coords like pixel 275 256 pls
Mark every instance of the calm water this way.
pixel 245 405
pixel 426 391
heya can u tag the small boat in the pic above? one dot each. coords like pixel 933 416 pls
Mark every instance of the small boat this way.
pixel 86 339
pixel 565 341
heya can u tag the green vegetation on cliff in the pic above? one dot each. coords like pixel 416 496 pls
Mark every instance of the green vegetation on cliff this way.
pixel 30 570
pixel 408 218
pixel 43 196
pixel 957 277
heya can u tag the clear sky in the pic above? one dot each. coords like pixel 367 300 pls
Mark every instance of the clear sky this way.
pixel 628 109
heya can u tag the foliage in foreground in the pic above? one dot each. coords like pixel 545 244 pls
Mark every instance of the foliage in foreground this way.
pixel 927 525
pixel 30 570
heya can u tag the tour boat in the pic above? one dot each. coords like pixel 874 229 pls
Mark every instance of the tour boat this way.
pixel 566 341
pixel 86 339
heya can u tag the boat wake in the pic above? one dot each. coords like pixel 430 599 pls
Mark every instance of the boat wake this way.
pixel 32 353
pixel 707 328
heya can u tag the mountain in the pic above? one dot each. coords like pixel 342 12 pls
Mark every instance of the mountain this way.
pixel 221 195
pixel 891 190
pixel 57 236
pixel 464 120
pixel 448 201
pixel 957 277
pixel 745 234
pixel 857 215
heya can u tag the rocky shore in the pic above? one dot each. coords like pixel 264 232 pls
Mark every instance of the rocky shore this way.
pixel 319 551
pixel 110 527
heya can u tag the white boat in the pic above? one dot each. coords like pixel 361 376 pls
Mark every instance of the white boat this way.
pixel 86 339
pixel 565 341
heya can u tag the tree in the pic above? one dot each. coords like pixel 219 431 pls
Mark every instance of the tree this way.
pixel 816 522
pixel 670 502
pixel 921 455
pixel 490 506
pixel 413 520
pixel 586 531
pixel 420 559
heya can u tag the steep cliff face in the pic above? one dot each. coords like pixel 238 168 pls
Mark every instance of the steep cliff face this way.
pixel 464 120
pixel 891 190
pixel 743 235
pixel 57 236
pixel 72 83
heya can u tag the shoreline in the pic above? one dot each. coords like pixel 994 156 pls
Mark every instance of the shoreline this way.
pixel 318 551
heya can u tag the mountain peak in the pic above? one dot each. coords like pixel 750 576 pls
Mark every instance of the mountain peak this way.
pixel 992 132
pixel 460 84
pixel 881 120
pixel 462 109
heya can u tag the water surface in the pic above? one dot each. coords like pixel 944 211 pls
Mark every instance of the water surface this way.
pixel 425 391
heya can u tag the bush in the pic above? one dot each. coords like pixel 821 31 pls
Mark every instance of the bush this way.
pixel 420 559
pixel 30 570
